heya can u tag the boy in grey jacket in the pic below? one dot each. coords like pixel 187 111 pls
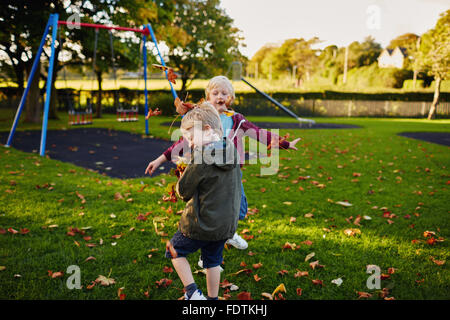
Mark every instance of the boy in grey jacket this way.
pixel 211 186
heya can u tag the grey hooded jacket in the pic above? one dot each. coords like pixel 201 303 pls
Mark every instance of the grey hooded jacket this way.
pixel 211 186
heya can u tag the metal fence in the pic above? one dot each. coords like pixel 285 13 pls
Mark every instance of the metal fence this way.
pixel 342 108
pixel 258 106
pixel 364 108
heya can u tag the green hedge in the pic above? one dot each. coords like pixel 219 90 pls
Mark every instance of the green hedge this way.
pixel 195 95
pixel 409 84
pixel 445 85
pixel 250 103
pixel 373 76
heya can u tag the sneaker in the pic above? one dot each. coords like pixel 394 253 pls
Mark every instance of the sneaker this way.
pixel 200 264
pixel 197 295
pixel 238 242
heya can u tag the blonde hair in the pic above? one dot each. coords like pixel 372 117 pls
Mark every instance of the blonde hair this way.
pixel 207 114
pixel 222 82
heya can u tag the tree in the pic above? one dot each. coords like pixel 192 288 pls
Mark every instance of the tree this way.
pixel 434 56
pixel 331 60
pixel 328 65
pixel 277 63
pixel 257 60
pixel 368 52
pixel 21 29
pixel 304 58
pixel 293 54
pixel 126 55
pixel 126 47
pixel 409 42
pixel 362 54
pixel 22 24
pixel 206 44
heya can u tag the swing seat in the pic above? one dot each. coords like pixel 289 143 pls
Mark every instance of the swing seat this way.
pixel 80 117
pixel 127 115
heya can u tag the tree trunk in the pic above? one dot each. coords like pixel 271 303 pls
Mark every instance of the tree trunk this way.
pixel 20 79
pixel 52 114
pixel 33 104
pixel 414 79
pixel 19 70
pixel 183 86
pixel 298 84
pixel 433 109
pixel 98 112
pixel 344 78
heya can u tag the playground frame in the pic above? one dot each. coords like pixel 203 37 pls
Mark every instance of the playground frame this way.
pixel 53 23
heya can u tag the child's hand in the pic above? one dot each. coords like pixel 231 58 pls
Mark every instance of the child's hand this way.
pixel 293 143
pixel 181 109
pixel 152 166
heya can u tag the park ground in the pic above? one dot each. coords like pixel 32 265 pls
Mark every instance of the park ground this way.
pixel 300 228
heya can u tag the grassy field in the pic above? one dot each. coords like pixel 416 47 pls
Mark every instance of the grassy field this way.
pixel 398 188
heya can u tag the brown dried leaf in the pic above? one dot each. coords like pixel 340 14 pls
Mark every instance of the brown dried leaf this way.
pixel 301 274
pixel 244 295
pixel 104 281
pixel 267 295
pixel 362 294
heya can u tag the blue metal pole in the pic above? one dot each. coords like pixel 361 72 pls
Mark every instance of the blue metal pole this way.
pixel 30 79
pixel 144 48
pixel 49 85
pixel 174 93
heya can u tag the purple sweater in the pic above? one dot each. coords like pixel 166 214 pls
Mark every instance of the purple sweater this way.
pixel 241 126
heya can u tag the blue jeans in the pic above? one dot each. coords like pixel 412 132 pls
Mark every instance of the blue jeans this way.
pixel 244 204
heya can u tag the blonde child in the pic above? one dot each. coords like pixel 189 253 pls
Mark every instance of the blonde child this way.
pixel 220 93
pixel 211 188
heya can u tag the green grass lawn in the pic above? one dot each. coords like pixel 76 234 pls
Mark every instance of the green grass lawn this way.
pixel 399 188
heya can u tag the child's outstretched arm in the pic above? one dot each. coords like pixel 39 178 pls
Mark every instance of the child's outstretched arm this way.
pixel 293 143
pixel 152 166
pixel 266 137
pixel 165 156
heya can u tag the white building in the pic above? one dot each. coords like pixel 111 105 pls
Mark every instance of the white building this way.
pixel 392 58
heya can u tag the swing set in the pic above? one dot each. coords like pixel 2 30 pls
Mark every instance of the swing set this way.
pixel 53 23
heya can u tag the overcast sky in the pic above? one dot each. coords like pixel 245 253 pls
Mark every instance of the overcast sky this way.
pixel 337 22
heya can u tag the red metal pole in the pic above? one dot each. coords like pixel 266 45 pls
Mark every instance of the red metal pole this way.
pixel 100 26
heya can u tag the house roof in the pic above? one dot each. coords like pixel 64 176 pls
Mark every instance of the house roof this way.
pixel 403 51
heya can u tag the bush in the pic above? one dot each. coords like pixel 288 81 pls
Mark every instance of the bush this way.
pixel 445 85
pixel 249 103
pixel 373 76
pixel 162 100
pixel 408 84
